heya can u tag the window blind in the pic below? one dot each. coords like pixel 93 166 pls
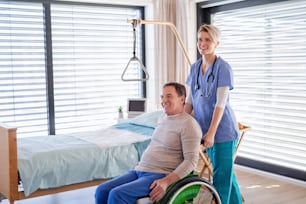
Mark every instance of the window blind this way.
pixel 266 47
pixel 90 46
pixel 22 67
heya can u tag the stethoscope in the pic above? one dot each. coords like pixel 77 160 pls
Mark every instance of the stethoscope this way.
pixel 211 75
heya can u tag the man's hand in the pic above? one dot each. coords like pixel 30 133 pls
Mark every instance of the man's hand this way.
pixel 159 187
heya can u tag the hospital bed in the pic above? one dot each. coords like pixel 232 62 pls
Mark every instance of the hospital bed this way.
pixel 37 166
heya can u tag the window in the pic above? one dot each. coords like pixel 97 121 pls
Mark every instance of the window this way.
pixel 67 79
pixel 266 46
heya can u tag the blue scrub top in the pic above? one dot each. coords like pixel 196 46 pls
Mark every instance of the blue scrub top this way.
pixel 204 98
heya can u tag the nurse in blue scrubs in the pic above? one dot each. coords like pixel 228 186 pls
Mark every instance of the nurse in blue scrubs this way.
pixel 209 81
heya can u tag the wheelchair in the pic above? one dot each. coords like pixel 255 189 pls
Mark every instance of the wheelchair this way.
pixel 190 189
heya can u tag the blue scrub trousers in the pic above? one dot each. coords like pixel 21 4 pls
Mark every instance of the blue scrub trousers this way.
pixel 126 188
pixel 224 179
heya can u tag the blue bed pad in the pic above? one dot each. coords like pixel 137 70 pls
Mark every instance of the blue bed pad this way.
pixel 141 129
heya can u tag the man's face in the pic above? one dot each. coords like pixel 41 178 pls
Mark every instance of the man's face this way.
pixel 171 102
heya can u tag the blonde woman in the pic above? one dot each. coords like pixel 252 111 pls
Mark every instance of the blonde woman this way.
pixel 209 82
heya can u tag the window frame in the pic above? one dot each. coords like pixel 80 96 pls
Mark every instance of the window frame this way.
pixel 49 72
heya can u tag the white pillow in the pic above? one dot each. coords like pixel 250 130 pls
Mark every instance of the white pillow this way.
pixel 147 119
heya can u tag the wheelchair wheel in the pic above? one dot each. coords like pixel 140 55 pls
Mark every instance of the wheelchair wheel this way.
pixel 193 190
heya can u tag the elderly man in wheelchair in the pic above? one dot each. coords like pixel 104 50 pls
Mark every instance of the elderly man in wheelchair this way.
pixel 171 155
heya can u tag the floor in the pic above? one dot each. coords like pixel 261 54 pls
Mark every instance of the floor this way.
pixel 256 187
pixel 259 188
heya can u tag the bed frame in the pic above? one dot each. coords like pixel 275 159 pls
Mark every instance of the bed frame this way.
pixel 9 170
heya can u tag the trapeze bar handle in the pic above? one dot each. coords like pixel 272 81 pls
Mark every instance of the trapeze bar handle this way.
pixel 134 58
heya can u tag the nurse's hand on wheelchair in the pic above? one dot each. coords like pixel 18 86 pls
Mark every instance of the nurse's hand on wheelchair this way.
pixel 209 139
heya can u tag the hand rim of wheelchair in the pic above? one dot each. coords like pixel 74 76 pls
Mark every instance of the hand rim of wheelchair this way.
pixel 184 184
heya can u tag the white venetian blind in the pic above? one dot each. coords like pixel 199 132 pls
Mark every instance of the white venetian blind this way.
pixel 22 67
pixel 91 47
pixel 266 47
